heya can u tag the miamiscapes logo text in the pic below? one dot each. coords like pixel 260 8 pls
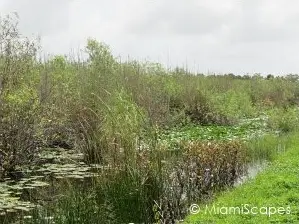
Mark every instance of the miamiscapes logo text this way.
pixel 244 209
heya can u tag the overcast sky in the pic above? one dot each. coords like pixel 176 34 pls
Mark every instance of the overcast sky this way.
pixel 239 36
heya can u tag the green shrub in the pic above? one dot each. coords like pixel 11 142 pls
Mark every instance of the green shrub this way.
pixel 236 104
pixel 284 119
pixel 18 135
pixel 19 109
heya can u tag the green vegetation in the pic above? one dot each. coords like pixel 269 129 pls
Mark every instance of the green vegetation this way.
pixel 128 141
pixel 245 129
pixel 266 147
pixel 276 187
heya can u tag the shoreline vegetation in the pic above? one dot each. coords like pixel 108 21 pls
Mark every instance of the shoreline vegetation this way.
pixel 106 141
pixel 271 197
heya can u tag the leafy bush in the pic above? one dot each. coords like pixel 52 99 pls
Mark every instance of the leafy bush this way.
pixel 284 119
pixel 18 140
pixel 19 111
pixel 236 104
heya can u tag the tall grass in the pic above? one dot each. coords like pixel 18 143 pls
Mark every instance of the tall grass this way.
pixel 266 147
pixel 269 146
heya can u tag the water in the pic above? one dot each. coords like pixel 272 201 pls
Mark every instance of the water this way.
pixel 40 184
pixel 253 169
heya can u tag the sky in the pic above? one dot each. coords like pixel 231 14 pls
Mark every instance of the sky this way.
pixel 206 36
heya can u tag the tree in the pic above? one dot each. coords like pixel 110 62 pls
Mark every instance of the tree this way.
pixel 100 56
pixel 270 76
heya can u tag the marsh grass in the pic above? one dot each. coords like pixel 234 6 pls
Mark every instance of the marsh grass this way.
pixel 262 148
pixel 266 147
pixel 77 205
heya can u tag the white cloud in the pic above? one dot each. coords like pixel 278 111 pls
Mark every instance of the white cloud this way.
pixel 179 18
pixel 222 36
pixel 43 17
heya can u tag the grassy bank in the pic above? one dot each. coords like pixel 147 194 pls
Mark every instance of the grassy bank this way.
pixel 277 188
